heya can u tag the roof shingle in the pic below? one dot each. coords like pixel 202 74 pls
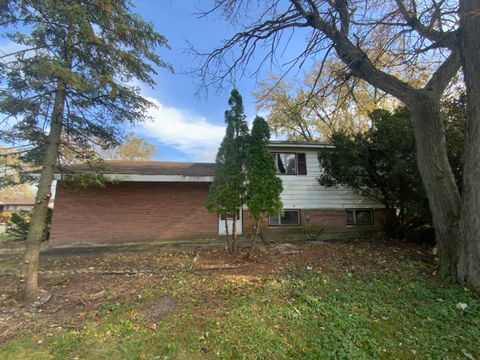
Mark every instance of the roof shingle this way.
pixel 126 167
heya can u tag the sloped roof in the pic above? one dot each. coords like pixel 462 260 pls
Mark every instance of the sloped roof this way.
pixel 134 167
pixel 299 144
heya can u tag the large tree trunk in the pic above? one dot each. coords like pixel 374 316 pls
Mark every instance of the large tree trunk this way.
pixel 39 215
pixel 437 177
pixel 469 260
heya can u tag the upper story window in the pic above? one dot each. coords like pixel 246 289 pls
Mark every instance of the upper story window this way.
pixel 290 163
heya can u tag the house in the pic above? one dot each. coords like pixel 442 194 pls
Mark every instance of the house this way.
pixel 10 206
pixel 165 201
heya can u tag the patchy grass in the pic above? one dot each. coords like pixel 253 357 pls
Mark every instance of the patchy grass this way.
pixel 374 300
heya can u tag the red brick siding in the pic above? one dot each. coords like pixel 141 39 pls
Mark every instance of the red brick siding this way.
pixel 325 217
pixel 337 217
pixel 329 218
pixel 248 222
pixel 131 211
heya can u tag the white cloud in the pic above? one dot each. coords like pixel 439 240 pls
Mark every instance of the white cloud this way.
pixel 183 131
pixel 10 47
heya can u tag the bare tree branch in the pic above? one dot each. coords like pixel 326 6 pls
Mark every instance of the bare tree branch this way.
pixel 442 39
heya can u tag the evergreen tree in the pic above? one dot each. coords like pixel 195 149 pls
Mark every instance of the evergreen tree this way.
pixel 227 192
pixel 263 185
pixel 380 164
pixel 71 82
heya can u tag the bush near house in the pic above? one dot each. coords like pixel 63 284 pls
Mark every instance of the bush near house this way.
pixel 19 223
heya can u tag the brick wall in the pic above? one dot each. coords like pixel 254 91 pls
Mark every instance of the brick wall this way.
pixel 331 222
pixel 131 211
pixel 317 217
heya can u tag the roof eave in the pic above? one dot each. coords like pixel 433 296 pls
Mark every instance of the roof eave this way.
pixel 301 146
pixel 150 178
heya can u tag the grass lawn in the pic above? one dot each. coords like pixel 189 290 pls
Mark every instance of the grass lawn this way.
pixel 338 300
pixel 6 238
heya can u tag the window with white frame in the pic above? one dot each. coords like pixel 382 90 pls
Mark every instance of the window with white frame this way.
pixel 290 163
pixel 359 216
pixel 289 218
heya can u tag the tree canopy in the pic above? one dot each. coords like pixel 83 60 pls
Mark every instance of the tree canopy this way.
pixel 227 192
pixel 132 147
pixel 263 187
pixel 440 37
pixel 380 164
pixel 70 83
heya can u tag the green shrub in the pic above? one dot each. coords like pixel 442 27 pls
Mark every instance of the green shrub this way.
pixel 19 223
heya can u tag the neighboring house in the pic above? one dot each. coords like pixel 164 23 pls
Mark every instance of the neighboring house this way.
pixel 151 200
pixel 10 206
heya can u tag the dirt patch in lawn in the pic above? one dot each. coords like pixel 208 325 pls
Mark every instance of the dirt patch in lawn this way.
pixel 156 309
pixel 89 287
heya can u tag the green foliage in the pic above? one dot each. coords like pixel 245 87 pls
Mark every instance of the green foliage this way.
pixel 19 223
pixel 227 191
pixel 455 115
pixel 84 181
pixel 312 316
pixel 263 185
pixel 380 164
pixel 95 50
pixel 395 313
pixel 94 177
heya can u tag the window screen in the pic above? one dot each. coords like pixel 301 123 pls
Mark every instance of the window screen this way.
pixel 291 164
pixel 289 217
pixel 350 217
pixel 286 163
pixel 364 217
pixel 359 217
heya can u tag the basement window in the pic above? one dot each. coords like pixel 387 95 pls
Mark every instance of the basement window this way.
pixel 359 216
pixel 289 218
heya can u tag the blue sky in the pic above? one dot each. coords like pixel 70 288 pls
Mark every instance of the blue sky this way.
pixel 187 127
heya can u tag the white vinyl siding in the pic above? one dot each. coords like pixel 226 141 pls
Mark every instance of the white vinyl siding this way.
pixel 304 191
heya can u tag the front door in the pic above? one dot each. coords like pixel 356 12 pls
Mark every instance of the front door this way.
pixel 221 223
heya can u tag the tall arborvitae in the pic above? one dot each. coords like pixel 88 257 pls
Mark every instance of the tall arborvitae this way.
pixel 227 191
pixel 70 82
pixel 263 187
